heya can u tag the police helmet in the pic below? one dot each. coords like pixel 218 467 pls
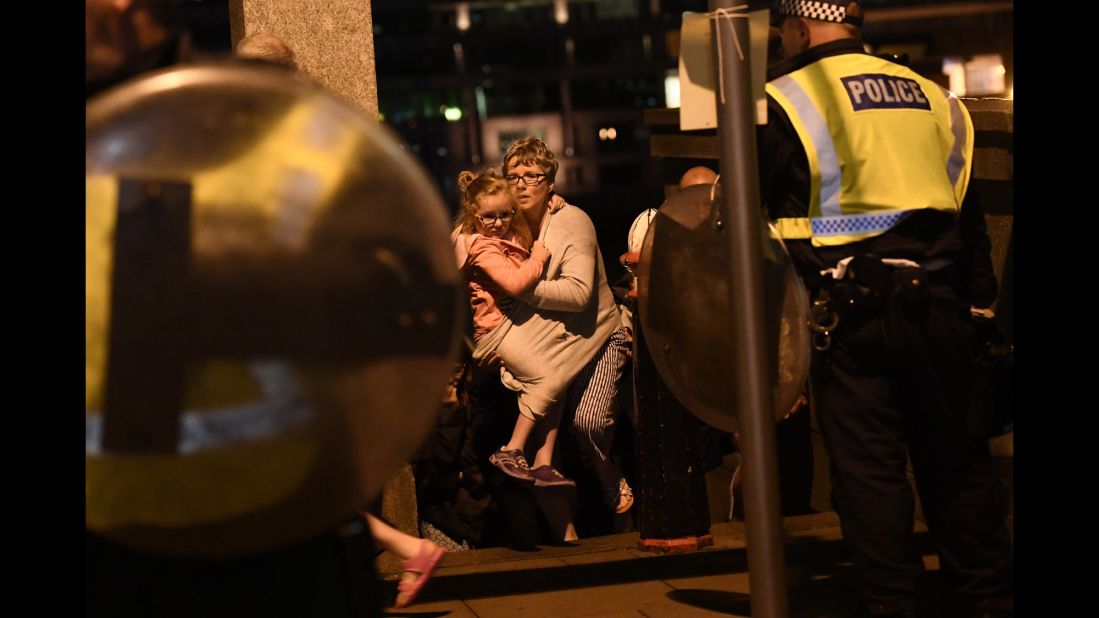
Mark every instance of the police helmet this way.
pixel 836 11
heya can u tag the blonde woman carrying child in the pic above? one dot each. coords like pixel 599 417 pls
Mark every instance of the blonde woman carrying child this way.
pixel 502 263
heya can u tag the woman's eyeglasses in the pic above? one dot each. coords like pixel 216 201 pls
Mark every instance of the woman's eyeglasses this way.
pixel 528 179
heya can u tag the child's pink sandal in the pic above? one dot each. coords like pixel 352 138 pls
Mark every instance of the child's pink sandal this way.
pixel 422 566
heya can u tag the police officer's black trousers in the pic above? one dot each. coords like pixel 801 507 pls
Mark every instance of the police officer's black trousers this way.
pixel 893 385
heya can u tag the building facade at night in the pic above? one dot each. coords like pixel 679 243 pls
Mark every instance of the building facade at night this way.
pixel 459 80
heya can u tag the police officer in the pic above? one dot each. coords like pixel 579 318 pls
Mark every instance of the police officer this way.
pixel 864 170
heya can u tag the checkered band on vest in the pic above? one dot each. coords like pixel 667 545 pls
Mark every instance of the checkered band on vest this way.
pixel 853 224
pixel 813 9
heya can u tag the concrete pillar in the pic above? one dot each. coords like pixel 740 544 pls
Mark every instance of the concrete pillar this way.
pixel 399 508
pixel 333 41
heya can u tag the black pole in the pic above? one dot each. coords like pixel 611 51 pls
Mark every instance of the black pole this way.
pixel 740 212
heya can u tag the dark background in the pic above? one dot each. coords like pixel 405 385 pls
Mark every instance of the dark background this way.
pixel 508 68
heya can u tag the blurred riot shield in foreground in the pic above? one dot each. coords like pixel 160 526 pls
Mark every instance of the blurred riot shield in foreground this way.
pixel 271 310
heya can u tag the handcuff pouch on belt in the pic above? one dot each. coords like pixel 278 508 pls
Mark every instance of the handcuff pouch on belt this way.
pixel 865 284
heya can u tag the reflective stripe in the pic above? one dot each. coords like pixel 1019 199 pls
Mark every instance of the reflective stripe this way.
pixel 956 162
pixel 869 222
pixel 790 228
pixel 282 408
pixel 827 161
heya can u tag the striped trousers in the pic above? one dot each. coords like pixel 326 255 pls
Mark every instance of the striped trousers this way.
pixel 591 403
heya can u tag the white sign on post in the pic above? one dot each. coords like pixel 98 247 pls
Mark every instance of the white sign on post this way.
pixel 697 81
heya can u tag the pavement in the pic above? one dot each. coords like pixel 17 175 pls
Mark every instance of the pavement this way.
pixel 610 576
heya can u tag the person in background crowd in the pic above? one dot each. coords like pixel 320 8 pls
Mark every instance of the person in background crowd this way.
pixel 267 47
pixel 123 38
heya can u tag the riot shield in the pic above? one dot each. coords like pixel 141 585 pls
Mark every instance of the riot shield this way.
pixel 271 309
pixel 683 302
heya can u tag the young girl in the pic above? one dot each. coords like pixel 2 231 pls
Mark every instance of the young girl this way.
pixel 500 261
pixel 499 266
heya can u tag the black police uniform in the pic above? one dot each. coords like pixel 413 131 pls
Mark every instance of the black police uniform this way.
pixel 896 383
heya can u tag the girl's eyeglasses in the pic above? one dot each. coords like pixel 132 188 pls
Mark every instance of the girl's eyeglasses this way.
pixel 489 220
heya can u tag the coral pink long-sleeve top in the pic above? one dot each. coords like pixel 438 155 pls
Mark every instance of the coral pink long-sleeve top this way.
pixel 498 268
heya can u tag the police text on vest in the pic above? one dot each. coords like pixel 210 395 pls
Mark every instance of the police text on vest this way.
pixel 878 91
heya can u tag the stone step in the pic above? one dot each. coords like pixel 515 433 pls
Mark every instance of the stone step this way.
pixel 813 541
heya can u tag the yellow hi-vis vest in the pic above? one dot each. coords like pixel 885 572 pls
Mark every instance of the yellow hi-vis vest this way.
pixel 881 142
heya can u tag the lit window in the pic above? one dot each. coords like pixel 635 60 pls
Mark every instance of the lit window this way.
pixel 954 68
pixel 983 74
pixel 671 88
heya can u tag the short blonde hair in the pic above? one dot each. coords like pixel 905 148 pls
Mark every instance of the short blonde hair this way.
pixel 531 151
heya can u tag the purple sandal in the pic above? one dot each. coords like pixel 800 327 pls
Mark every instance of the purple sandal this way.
pixel 422 565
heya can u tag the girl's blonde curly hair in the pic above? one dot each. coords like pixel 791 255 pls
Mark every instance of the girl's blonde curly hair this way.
pixel 474 186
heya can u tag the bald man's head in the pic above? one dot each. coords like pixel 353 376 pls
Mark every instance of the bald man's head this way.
pixel 699 175
pixel 268 47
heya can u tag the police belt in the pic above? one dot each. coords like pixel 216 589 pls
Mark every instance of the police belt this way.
pixel 863 282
